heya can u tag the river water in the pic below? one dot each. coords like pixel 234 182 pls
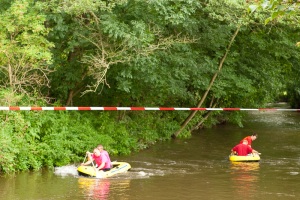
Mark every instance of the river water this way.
pixel 196 168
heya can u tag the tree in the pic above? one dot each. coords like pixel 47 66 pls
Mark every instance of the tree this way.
pixel 93 38
pixel 285 11
pixel 24 50
pixel 278 9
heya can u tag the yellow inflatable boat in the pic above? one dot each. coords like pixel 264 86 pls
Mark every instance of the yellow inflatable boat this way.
pixel 118 167
pixel 248 158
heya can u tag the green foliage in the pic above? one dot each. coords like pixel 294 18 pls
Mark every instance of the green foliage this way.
pixel 35 139
pixel 292 87
pixel 77 7
pixel 4 4
pixel 278 9
pixel 24 49
pixel 294 96
pixel 133 53
pixel 148 128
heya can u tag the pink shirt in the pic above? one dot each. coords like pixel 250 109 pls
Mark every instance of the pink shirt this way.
pixel 105 158
pixel 97 159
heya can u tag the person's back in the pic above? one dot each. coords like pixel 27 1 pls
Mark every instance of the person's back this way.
pixel 242 149
pixel 104 157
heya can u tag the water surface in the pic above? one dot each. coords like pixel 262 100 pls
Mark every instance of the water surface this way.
pixel 196 168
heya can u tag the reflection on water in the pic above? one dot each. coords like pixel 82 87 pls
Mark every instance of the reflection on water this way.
pixel 244 166
pixel 95 188
pixel 245 176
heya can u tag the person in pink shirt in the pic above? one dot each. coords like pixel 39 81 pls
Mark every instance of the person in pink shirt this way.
pixel 101 158
pixel 95 156
pixel 106 162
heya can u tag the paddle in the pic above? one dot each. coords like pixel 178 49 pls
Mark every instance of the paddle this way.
pixel 84 158
pixel 98 173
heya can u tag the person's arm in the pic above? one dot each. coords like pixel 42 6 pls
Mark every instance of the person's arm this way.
pixel 254 151
pixel 89 155
pixel 233 150
pixel 87 163
pixel 101 166
pixel 90 159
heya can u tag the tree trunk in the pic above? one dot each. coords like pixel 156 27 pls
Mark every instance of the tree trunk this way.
pixel 70 98
pixel 72 93
pixel 192 114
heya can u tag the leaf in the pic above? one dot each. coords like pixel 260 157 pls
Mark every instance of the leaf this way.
pixel 253 8
pixel 268 20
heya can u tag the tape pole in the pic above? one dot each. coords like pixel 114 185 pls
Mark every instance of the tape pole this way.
pixel 22 108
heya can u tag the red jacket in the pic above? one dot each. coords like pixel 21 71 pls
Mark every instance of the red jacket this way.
pixel 248 138
pixel 242 149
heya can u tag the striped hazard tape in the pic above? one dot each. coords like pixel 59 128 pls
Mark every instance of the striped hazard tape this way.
pixel 15 108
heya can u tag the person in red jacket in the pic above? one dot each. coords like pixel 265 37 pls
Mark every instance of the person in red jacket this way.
pixel 242 149
pixel 249 139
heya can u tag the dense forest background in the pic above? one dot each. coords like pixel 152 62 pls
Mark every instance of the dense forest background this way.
pixel 149 53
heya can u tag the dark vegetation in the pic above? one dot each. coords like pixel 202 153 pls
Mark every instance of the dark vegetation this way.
pixel 181 53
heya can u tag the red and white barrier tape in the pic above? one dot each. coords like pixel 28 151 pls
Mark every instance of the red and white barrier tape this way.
pixel 144 108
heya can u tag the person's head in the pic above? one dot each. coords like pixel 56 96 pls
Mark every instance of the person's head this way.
pixel 100 147
pixel 96 152
pixel 245 142
pixel 253 136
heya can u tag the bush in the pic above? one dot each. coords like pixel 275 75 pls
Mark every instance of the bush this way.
pixel 31 140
